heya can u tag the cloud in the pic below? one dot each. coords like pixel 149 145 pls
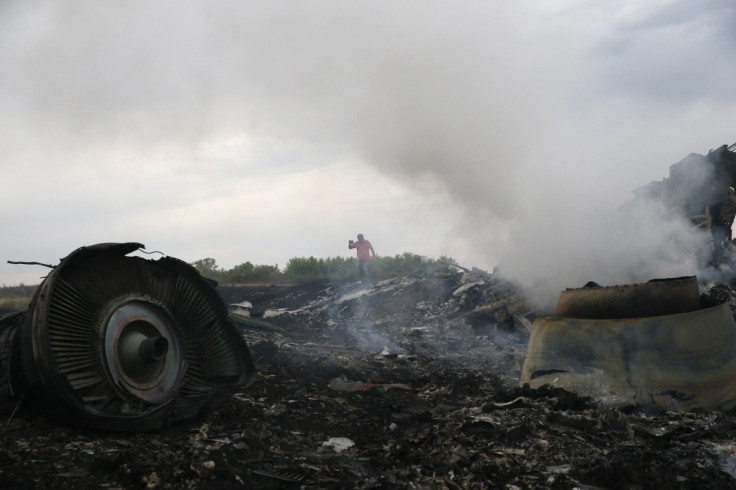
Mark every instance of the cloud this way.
pixel 673 54
pixel 452 128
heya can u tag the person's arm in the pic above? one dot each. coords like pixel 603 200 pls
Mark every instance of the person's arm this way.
pixel 372 251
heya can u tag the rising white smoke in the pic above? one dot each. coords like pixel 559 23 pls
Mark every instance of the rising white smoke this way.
pixel 521 117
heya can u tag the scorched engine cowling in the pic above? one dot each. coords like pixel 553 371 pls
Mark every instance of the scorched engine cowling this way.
pixel 118 342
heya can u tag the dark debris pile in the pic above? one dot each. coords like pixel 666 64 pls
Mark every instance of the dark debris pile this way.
pixel 411 383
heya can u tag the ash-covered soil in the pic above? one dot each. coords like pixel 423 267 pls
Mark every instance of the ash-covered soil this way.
pixel 409 383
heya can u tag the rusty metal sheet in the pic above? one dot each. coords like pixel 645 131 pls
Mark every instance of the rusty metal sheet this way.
pixel 669 362
pixel 654 298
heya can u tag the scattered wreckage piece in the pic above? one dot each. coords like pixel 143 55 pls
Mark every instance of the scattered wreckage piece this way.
pixel 343 384
pixel 654 298
pixel 500 311
pixel 679 359
pixel 701 188
pixel 247 321
pixel 492 301
pixel 9 359
pixel 118 342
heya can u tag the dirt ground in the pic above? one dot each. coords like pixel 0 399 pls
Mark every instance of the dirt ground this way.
pixel 397 385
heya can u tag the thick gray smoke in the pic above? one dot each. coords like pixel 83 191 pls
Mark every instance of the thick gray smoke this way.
pixel 509 110
pixel 642 241
pixel 677 226
pixel 420 90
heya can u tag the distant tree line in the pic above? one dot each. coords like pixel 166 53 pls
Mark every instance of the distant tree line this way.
pixel 16 297
pixel 339 269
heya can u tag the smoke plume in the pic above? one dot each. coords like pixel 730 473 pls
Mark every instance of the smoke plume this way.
pixel 523 119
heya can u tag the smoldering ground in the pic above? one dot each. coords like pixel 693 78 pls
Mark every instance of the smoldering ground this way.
pixel 457 425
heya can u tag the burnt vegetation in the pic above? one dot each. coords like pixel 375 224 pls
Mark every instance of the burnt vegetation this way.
pixel 409 383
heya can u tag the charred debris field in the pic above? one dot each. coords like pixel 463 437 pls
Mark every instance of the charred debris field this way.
pixel 412 382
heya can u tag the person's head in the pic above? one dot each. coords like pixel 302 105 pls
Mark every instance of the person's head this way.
pixel 360 237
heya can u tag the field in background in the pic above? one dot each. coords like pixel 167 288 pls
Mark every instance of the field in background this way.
pixel 339 269
pixel 16 297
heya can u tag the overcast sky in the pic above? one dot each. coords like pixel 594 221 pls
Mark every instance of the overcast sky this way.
pixel 264 130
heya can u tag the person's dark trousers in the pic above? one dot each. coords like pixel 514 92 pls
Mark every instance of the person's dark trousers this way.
pixel 363 271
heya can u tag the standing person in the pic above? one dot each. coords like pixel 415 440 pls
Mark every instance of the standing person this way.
pixel 364 249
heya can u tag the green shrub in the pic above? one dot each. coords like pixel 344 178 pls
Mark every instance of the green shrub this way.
pixel 247 272
pixel 300 267
pixel 338 269
pixel 207 267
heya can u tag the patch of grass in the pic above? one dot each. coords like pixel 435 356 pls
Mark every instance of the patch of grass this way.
pixel 19 303
pixel 16 297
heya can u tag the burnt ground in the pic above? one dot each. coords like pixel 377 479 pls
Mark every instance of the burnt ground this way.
pixel 406 384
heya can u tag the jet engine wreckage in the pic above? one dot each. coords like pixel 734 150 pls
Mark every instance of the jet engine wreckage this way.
pixel 118 342
pixel 679 355
pixel 657 345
